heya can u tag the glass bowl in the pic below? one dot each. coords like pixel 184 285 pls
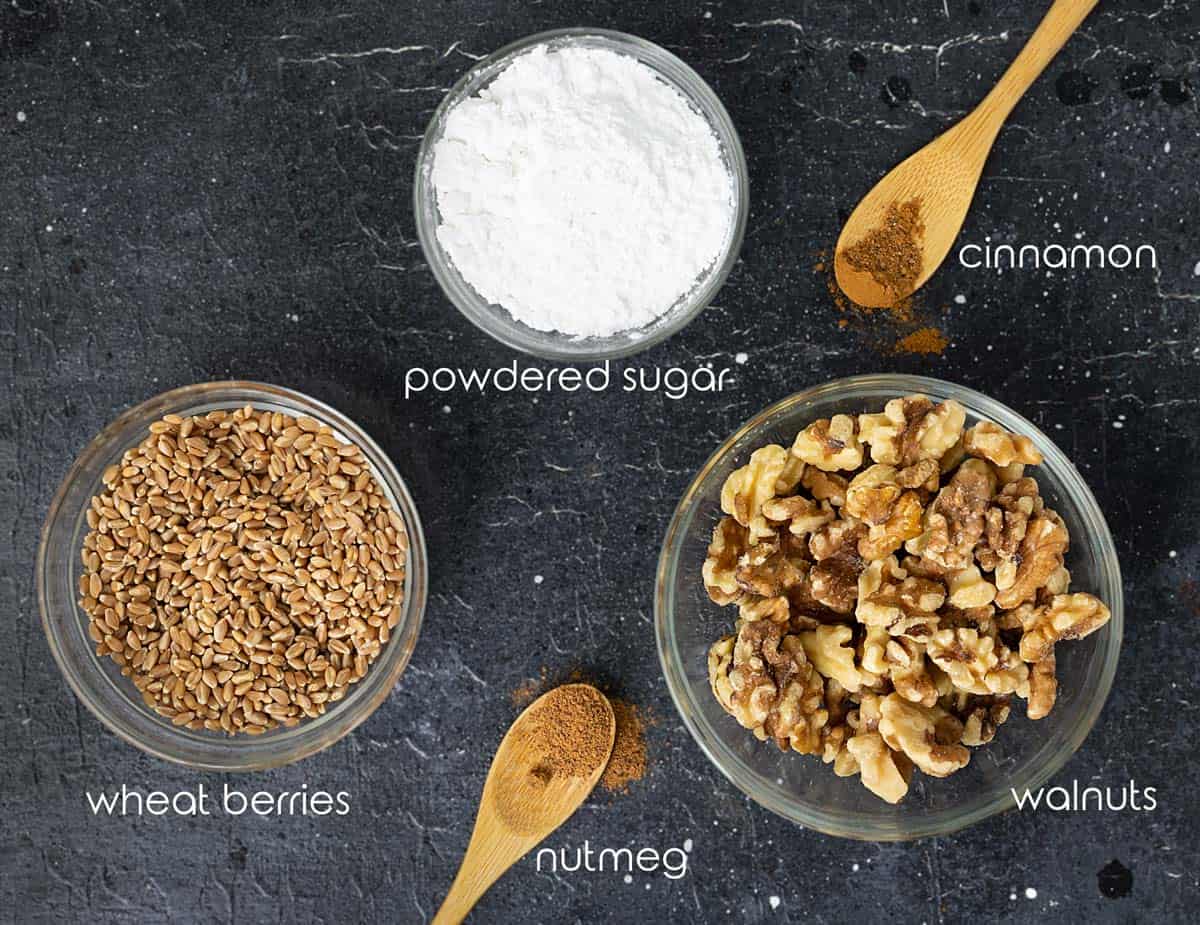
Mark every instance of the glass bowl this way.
pixel 495 319
pixel 98 681
pixel 802 788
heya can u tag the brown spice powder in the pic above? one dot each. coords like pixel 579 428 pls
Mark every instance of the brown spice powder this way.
pixel 890 252
pixel 923 340
pixel 525 693
pixel 915 335
pixel 903 310
pixel 628 761
pixel 572 725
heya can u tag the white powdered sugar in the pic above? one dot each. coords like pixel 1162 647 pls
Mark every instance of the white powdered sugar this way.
pixel 581 192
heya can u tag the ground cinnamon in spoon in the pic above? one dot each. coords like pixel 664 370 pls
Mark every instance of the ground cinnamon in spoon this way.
pixel 890 252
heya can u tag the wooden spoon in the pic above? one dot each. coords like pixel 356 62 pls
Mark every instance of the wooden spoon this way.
pixel 942 176
pixel 547 764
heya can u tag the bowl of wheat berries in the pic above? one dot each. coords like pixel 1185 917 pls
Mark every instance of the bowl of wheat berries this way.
pixel 232 576
pixel 886 604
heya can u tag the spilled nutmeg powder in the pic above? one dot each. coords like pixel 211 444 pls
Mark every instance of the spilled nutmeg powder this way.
pixel 525 693
pixel 628 761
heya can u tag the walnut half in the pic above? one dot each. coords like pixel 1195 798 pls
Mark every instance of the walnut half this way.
pixel 1068 616
pixel 830 444
pixel 911 429
pixel 884 772
pixel 748 488
pixel 729 542
pixel 977 664
pixel 929 736
pixel 763 679
pixel 995 444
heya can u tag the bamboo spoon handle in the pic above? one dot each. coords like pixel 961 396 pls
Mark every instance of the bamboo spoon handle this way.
pixel 1063 18
pixel 491 852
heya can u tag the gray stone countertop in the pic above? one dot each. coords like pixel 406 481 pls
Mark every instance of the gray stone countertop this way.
pixel 198 191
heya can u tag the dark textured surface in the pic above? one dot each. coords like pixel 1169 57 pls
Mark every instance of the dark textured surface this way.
pixel 211 190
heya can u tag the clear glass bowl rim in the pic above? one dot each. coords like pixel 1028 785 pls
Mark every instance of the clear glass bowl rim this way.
pixel 92 685
pixel 495 321
pixel 843 825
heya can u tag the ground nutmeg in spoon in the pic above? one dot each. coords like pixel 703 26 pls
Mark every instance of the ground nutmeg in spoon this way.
pixel 243 568
pixel 571 724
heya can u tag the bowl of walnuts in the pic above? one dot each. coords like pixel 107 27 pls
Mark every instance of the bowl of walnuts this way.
pixel 888 605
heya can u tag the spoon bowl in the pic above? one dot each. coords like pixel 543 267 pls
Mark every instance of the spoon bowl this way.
pixel 941 178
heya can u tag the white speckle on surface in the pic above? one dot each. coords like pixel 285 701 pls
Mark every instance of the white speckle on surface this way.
pixel 960 299
pixel 294 318
pixel 49 228
pixel 445 409
pixel 742 358
pixel 1167 148
pixel 1172 554
pixel 774 901
pixel 1118 425
pixel 21 117
pixel 538 579
pixel 629 878
pixel 1196 269
pixel 687 845
pixel 854 867
pixel 1030 893
pixel 1012 897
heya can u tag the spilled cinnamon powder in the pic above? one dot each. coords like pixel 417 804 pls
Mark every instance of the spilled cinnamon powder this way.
pixel 891 254
pixel 923 340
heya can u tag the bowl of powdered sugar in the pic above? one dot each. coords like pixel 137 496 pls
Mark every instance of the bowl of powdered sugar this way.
pixel 581 194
